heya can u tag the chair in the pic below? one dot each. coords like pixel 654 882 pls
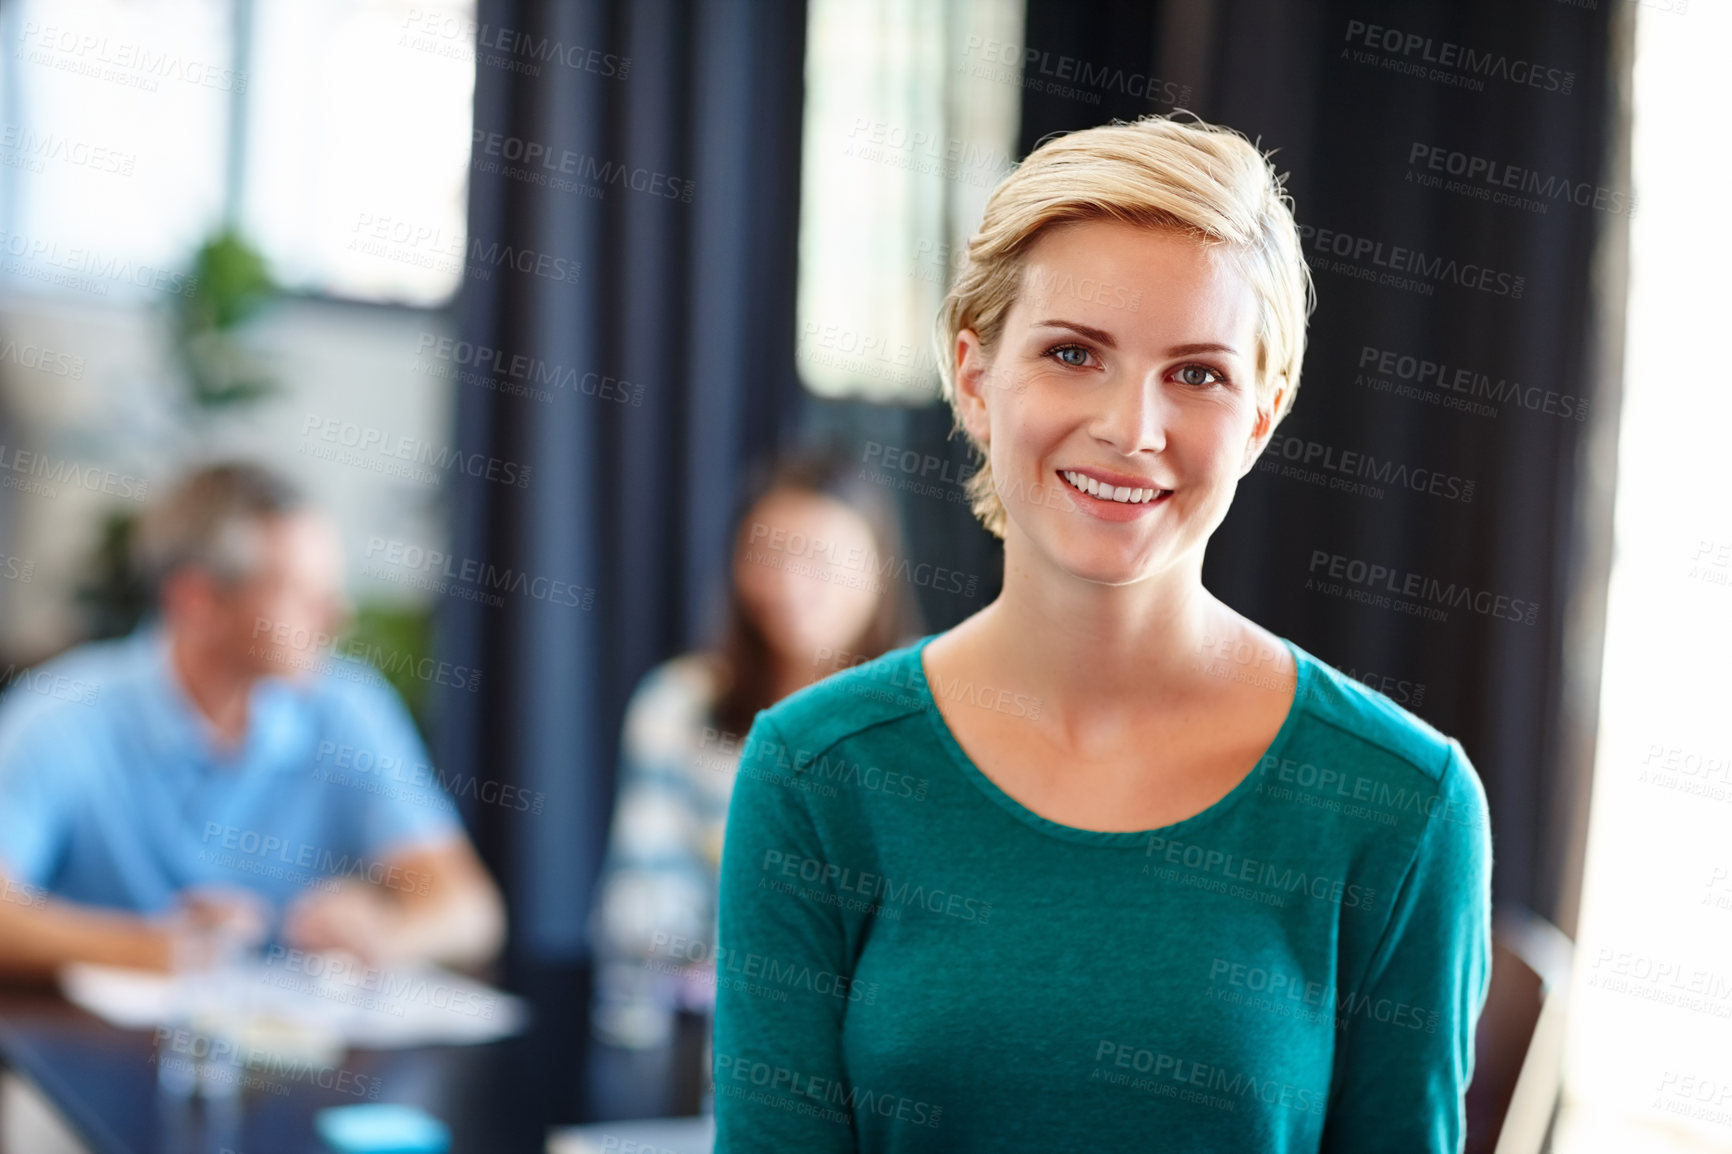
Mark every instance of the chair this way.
pixel 1518 1047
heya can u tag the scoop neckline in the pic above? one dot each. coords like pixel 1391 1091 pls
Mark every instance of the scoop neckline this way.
pixel 1103 837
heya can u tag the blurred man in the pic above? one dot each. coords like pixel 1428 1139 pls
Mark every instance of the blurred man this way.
pixel 219 765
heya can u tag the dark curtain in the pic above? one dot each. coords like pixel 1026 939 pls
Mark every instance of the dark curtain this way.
pixel 1350 128
pixel 662 366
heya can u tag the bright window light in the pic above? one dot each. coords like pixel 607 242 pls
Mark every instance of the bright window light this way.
pixel 904 136
pixel 115 143
pixel 358 145
pixel 1649 1056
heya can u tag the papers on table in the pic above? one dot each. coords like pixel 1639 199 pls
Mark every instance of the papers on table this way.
pixel 678 1135
pixel 318 1005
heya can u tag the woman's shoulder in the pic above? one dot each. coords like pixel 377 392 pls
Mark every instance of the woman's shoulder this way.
pixel 1356 715
pixel 1379 754
pixel 862 696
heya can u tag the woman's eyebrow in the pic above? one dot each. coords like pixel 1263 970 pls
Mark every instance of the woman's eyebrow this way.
pixel 1099 336
pixel 1102 337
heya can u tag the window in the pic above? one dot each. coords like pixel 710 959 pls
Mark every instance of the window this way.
pixel 905 135
pixel 1649 1051
pixel 349 169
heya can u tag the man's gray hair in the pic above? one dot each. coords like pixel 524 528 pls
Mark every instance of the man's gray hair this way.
pixel 209 521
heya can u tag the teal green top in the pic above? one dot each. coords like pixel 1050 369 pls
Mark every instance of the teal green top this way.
pixel 910 960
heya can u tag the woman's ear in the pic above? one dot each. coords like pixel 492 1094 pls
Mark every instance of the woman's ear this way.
pixel 1262 430
pixel 973 369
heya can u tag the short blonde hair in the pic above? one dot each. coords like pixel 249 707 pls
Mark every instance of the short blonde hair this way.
pixel 1203 180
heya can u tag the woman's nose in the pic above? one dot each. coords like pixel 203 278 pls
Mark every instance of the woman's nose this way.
pixel 1136 416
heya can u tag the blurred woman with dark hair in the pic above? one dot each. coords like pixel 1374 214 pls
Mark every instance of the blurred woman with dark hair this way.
pixel 804 599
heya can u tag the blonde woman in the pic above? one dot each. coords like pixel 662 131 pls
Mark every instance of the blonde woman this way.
pixel 1171 882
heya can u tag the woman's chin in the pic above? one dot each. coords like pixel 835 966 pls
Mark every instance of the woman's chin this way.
pixel 1102 564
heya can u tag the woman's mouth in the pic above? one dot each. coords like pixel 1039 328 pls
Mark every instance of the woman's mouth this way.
pixel 1120 494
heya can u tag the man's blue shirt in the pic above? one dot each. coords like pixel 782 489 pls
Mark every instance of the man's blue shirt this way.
pixel 112 792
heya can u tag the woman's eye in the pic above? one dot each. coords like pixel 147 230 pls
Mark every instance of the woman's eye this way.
pixel 1199 374
pixel 1073 355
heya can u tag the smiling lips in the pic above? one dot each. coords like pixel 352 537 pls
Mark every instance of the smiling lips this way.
pixel 1122 494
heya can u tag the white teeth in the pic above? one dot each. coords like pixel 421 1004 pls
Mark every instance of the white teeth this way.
pixel 1121 493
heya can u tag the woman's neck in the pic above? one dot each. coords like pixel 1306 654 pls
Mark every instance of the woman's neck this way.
pixel 1086 649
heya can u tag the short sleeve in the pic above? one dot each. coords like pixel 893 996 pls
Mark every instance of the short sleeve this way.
pixel 409 804
pixel 37 773
pixel 777 1063
pixel 1405 1057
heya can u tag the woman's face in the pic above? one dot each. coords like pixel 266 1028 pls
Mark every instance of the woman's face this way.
pixel 1127 361
pixel 806 572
